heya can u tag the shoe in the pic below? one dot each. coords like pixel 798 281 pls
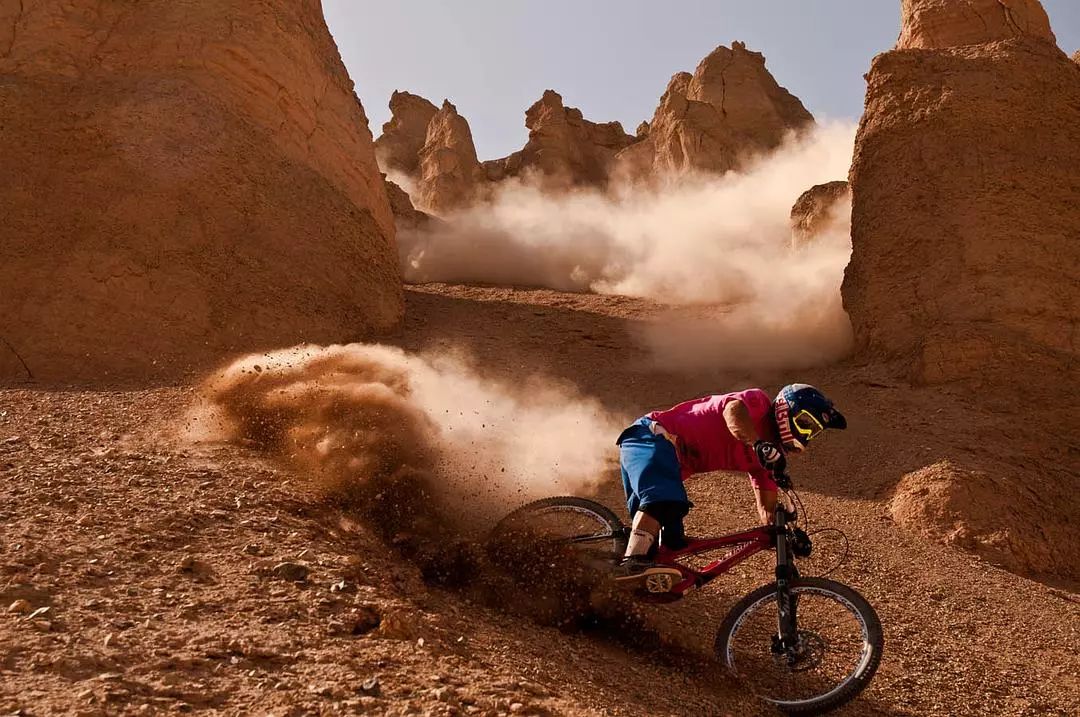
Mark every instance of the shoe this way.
pixel 638 568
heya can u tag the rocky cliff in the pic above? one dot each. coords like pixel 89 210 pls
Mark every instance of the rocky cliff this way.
pixel 406 216
pixel 564 148
pixel 939 24
pixel 966 199
pixel 450 174
pixel 182 180
pixel 398 147
pixel 817 211
pixel 731 107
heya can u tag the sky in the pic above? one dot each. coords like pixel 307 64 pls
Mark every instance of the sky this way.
pixel 610 58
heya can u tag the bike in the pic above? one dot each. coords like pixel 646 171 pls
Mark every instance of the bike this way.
pixel 807 645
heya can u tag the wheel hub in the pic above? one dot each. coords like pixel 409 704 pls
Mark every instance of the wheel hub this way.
pixel 805 655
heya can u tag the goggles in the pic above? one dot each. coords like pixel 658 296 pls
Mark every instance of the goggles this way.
pixel 807 425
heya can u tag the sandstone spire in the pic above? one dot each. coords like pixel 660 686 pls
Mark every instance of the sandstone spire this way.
pixel 966 200
pixel 450 174
pixel 937 24
pixel 731 107
pixel 398 148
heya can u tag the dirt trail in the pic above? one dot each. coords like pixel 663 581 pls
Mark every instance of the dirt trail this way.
pixel 161 565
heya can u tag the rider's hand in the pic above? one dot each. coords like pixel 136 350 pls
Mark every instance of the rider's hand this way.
pixel 770 457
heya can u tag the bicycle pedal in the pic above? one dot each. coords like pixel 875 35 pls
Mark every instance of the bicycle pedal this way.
pixel 659 583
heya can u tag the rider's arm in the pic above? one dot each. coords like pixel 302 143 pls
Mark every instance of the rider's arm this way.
pixel 739 422
pixel 741 425
pixel 766 504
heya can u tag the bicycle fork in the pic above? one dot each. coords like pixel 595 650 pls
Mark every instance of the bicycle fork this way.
pixel 786 639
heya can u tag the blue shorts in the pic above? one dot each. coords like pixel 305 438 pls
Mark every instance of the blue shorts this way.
pixel 650 468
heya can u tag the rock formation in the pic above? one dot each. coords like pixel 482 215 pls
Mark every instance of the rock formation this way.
pixel 563 147
pixel 994 517
pixel 966 200
pixel 406 216
pixel 181 180
pixel 940 24
pixel 729 108
pixel 451 176
pixel 816 212
pixel 1076 56
pixel 398 148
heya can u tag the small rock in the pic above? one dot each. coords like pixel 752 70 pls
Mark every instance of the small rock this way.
pixel 109 639
pixel 37 613
pixel 19 606
pixel 364 619
pixel 444 694
pixel 321 690
pixel 253 549
pixel 42 625
pixel 293 572
pixel 371 686
pixel 516 706
pixel 398 624
pixel 342 587
pixel 197 569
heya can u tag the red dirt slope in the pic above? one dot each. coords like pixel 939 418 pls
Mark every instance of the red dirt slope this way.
pixel 174 552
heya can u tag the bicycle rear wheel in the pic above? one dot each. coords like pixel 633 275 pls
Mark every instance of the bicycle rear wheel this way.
pixel 564 526
pixel 840 646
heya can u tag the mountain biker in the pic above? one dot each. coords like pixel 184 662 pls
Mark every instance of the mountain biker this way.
pixel 742 431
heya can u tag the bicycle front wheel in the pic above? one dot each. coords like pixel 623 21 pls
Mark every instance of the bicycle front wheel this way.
pixel 839 648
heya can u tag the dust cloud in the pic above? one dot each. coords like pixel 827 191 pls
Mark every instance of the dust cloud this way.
pixel 348 417
pixel 717 249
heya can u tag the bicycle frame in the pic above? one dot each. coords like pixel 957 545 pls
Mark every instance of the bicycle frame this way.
pixel 740 546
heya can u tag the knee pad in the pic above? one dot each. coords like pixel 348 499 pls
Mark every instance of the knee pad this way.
pixel 669 514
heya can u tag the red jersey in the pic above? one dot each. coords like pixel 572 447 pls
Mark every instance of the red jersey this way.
pixel 704 441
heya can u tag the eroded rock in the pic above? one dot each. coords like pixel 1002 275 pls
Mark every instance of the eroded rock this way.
pixel 938 24
pixel 712 120
pixel 818 210
pixel 398 148
pixel 450 174
pixel 995 517
pixel 564 148
pixel 406 215
pixel 966 201
pixel 180 181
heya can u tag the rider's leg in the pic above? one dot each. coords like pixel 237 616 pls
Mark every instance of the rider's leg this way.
pixel 651 475
pixel 643 535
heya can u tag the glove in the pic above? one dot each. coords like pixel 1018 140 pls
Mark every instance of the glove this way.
pixel 770 457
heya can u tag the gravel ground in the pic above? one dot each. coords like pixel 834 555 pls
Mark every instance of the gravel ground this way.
pixel 140 575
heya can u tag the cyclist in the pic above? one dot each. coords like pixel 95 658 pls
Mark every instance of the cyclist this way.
pixel 742 431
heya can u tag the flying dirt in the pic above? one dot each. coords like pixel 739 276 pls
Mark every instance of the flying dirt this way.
pixel 342 415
